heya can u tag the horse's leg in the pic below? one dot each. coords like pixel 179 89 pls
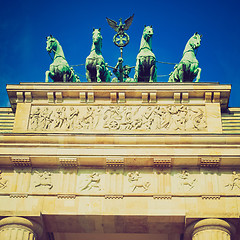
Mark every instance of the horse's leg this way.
pixel 151 74
pixel 47 76
pixel 136 70
pixel 198 72
pixel 65 77
pixel 180 73
pixel 98 73
pixel 88 75
pixel 154 73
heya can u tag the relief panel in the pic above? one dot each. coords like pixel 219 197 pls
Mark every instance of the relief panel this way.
pixel 138 181
pixel 118 118
pixel 45 180
pixel 185 181
pixel 5 180
pixel 230 181
pixel 91 181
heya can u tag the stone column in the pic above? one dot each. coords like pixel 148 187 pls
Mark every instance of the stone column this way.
pixel 18 228
pixel 210 229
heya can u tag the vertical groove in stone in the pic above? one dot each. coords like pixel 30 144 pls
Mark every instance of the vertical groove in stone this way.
pixel 16 233
pixel 18 228
pixel 215 234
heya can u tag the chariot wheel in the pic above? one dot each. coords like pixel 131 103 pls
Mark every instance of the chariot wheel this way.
pixel 114 125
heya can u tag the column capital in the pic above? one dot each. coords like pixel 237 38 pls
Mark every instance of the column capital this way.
pixel 10 222
pixel 209 224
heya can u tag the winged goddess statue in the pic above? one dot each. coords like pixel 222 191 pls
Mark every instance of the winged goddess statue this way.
pixel 121 39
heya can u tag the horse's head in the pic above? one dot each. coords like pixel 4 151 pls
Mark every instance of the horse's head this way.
pixel 195 40
pixel 51 43
pixel 96 36
pixel 147 32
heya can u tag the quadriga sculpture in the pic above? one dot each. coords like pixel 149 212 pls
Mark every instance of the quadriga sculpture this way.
pixel 59 70
pixel 145 70
pixel 187 69
pixel 96 69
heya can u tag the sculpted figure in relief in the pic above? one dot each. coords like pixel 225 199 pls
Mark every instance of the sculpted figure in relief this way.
pixel 185 180
pixel 235 181
pixel 3 182
pixel 44 180
pixel 93 182
pixel 137 182
pixel 118 118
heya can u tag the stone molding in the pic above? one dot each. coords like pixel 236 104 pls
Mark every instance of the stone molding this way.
pixel 68 162
pixel 114 162
pixel 211 197
pixel 162 162
pixel 21 161
pixel 113 196
pixel 66 196
pixel 18 195
pixel 210 162
pixel 10 223
pixel 166 197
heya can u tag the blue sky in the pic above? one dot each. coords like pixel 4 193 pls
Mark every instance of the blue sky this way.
pixel 25 24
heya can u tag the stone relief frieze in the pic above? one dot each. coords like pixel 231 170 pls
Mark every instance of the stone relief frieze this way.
pixel 118 118
pixel 121 182
pixel 138 182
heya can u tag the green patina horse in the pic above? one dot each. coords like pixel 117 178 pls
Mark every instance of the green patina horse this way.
pixel 96 69
pixel 187 70
pixel 59 70
pixel 145 70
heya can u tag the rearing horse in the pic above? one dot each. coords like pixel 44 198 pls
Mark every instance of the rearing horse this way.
pixel 96 69
pixel 59 70
pixel 188 68
pixel 145 70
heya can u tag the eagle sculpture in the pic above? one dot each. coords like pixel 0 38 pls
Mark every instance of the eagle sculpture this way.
pixel 122 26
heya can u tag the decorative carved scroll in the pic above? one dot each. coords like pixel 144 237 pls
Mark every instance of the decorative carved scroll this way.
pixel 118 118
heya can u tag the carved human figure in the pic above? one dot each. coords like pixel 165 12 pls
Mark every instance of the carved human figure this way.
pixel 45 118
pixel 235 182
pixel 122 72
pixel 72 119
pixel 93 182
pixel 137 182
pixel 60 117
pixel 185 179
pixel 3 182
pixel 44 179
pixel 34 118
